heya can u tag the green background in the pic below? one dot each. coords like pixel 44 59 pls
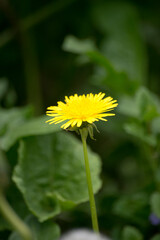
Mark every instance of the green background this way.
pixel 55 48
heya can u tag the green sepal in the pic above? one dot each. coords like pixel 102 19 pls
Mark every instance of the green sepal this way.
pixel 87 126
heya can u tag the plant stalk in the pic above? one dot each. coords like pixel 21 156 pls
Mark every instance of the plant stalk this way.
pixel 17 224
pixel 84 133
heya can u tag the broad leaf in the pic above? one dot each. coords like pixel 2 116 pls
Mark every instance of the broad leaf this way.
pixel 51 174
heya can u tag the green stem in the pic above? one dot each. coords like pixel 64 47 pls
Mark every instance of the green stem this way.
pixel 84 133
pixel 13 219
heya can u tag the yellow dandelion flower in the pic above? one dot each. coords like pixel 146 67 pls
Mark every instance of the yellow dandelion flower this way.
pixel 81 109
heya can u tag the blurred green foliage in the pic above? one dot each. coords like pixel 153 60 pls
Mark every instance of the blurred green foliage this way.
pixel 55 48
pixel 47 230
pixel 130 233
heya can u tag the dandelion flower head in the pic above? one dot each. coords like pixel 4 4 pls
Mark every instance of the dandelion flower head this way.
pixel 81 109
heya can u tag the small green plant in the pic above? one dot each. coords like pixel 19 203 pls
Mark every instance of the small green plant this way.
pixel 81 112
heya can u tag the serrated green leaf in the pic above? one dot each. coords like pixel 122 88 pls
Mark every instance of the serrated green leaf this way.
pixel 51 173
pixel 155 203
pixel 131 233
pixel 41 231
pixel 36 126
